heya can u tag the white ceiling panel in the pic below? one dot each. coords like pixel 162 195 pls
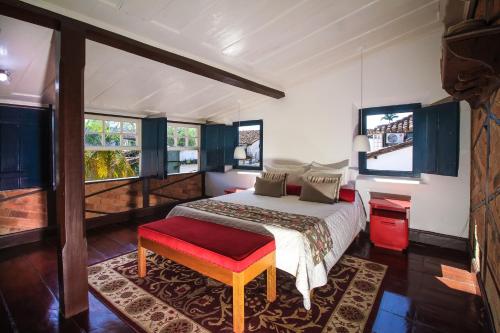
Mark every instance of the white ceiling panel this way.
pixel 275 42
pixel 258 39
pixel 116 80
pixel 24 52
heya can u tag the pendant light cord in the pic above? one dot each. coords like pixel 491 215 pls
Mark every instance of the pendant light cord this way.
pixel 361 84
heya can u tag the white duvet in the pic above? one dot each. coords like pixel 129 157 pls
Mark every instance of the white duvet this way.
pixel 344 220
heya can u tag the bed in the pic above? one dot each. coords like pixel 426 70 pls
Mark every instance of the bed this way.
pixel 344 220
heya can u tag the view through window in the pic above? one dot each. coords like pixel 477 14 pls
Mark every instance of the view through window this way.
pixel 183 148
pixel 249 136
pixel 391 141
pixel 112 147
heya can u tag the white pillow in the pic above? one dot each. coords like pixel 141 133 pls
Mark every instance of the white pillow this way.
pixel 294 172
pixel 327 168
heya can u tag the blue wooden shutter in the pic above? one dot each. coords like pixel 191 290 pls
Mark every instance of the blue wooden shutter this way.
pixel 229 144
pixel 436 139
pixel 213 147
pixel 24 147
pixel 154 146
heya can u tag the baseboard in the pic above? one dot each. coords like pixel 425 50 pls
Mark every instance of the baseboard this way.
pixel 436 239
pixel 26 237
pixel 139 215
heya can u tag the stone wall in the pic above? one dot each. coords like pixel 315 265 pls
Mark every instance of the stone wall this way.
pixel 485 201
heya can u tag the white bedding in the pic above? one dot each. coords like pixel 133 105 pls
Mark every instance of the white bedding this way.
pixel 343 219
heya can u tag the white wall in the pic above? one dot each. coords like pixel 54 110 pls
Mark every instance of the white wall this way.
pixel 317 119
pixel 401 158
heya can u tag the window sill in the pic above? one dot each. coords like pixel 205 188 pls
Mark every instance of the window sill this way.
pixel 392 180
pixel 110 180
pixel 183 173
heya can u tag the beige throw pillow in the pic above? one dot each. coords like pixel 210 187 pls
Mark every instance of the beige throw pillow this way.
pixel 276 176
pixel 267 187
pixel 321 188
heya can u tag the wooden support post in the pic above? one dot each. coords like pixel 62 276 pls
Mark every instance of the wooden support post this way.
pixel 238 302
pixel 70 191
pixel 271 282
pixel 141 260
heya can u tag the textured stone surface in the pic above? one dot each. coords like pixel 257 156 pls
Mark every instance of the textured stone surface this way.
pixel 23 213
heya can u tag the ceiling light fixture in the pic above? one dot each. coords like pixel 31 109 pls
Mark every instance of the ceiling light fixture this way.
pixel 4 75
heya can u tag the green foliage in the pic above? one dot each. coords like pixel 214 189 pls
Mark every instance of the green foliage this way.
pixel 109 164
pixel 389 117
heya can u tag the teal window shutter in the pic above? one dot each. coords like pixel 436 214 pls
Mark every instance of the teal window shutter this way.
pixel 154 147
pixel 25 147
pixel 436 139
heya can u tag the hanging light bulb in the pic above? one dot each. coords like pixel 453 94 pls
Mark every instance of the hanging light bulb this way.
pixel 240 151
pixel 361 142
pixel 4 75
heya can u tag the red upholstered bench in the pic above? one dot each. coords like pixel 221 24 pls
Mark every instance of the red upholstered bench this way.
pixel 229 255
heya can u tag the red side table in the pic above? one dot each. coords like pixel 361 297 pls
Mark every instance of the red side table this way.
pixel 389 223
pixel 233 190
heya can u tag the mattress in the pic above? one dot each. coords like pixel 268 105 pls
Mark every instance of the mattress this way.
pixel 344 221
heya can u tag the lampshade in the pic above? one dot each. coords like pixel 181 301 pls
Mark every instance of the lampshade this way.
pixel 361 143
pixel 240 153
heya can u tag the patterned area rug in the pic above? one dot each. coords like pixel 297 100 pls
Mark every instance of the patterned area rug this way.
pixel 175 299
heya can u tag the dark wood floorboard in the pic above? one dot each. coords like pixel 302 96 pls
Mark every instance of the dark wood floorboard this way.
pixel 426 290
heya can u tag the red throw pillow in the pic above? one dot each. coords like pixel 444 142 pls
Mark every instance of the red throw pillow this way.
pixel 293 189
pixel 347 194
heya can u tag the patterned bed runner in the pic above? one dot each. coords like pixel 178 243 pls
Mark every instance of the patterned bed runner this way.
pixel 312 228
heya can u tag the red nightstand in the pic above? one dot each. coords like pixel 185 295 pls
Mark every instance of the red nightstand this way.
pixel 234 190
pixel 389 223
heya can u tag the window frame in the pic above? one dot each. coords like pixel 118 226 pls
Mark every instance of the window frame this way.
pixel 237 125
pixel 138 132
pixel 168 148
pixel 381 110
pixel 103 147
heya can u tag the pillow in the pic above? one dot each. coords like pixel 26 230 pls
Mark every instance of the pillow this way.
pixel 316 167
pixel 347 194
pixel 276 176
pixel 337 165
pixel 293 189
pixel 325 191
pixel 294 172
pixel 270 188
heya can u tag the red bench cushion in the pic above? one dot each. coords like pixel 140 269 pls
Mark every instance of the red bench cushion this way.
pixel 231 248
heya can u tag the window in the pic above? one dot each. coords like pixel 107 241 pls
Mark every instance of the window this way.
pixel 390 132
pixel 112 147
pixel 183 148
pixel 250 136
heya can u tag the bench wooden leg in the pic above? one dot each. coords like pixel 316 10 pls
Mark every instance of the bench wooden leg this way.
pixel 271 283
pixel 141 260
pixel 238 303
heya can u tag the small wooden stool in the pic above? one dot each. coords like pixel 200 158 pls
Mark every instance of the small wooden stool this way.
pixel 229 255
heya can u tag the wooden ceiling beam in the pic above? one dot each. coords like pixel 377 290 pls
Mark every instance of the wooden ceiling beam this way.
pixel 36 15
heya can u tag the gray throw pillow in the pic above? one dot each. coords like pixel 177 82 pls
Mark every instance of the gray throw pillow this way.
pixel 322 191
pixel 267 187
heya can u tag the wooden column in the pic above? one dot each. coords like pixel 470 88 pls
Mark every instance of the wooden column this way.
pixel 70 191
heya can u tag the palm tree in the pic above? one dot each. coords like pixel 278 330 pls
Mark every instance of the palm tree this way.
pixel 107 164
pixel 389 117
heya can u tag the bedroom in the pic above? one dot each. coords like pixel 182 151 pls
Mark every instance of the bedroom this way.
pixel 380 117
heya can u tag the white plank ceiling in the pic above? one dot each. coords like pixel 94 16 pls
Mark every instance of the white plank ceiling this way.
pixel 274 42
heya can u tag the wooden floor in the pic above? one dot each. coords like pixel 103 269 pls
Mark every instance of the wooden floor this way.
pixel 427 289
